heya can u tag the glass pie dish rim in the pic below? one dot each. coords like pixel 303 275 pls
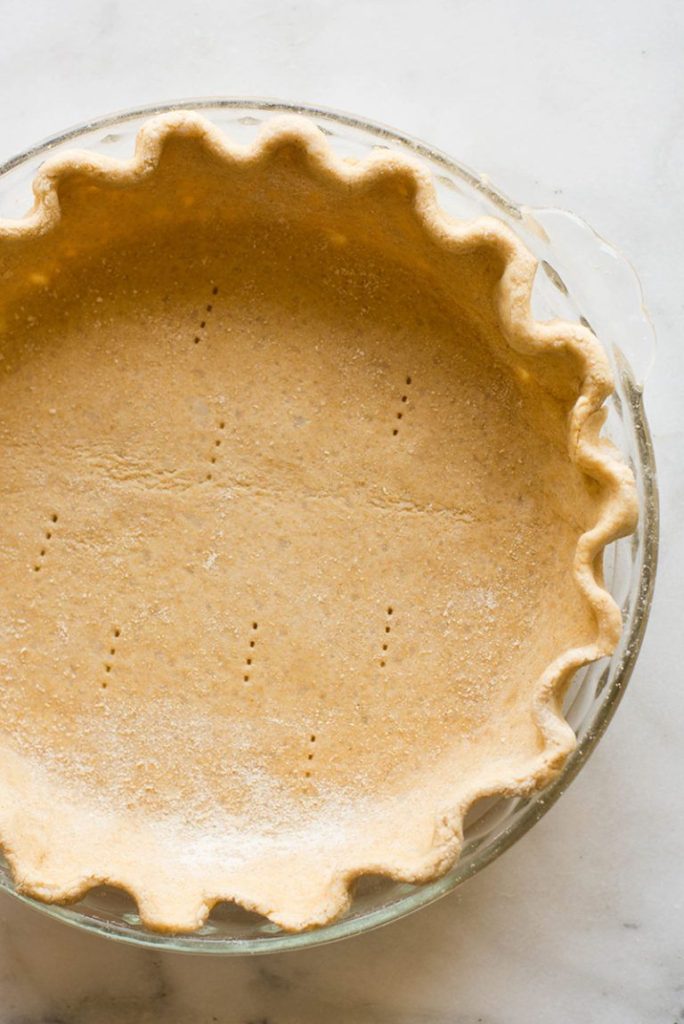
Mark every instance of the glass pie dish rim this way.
pixel 538 803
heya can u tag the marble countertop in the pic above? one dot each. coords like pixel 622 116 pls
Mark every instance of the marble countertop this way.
pixel 576 105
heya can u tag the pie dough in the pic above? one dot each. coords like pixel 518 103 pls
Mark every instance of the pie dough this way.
pixel 302 524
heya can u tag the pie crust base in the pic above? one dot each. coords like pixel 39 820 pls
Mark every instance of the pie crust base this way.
pixel 303 524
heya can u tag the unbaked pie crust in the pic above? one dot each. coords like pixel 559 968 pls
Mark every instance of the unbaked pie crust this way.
pixel 302 524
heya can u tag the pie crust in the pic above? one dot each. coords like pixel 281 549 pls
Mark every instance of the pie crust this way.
pixel 303 524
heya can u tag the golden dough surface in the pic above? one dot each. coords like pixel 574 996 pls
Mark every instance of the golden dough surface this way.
pixel 288 537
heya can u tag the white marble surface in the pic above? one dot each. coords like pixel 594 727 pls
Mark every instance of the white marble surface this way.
pixel 579 105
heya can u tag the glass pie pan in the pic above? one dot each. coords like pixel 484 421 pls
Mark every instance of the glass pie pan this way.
pixel 581 278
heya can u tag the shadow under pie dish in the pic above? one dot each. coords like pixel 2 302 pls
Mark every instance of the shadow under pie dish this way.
pixel 303 524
